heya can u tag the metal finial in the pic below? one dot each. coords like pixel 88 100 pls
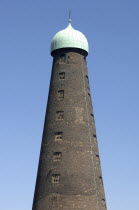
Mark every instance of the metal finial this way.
pixel 70 16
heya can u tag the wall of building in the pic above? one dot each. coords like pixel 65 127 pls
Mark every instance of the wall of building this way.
pixel 69 173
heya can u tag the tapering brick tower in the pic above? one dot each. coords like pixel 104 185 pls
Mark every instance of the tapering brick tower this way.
pixel 69 173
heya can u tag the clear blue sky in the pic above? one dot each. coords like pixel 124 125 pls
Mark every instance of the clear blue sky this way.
pixel 26 30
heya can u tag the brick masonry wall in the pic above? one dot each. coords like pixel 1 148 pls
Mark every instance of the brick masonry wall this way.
pixel 69 173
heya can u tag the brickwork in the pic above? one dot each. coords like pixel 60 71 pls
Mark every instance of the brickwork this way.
pixel 72 179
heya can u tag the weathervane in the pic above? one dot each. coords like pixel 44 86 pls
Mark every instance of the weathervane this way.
pixel 70 16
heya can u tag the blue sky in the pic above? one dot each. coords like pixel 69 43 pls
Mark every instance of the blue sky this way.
pixel 26 30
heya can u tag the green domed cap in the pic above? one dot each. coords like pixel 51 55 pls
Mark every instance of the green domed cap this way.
pixel 69 38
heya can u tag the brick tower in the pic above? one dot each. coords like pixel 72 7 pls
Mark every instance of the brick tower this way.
pixel 69 173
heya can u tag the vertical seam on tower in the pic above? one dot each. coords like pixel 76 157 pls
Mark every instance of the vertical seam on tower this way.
pixel 89 133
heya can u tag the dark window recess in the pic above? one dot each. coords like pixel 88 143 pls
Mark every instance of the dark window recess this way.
pixel 95 138
pixel 92 115
pixel 60 94
pixel 89 96
pixel 97 159
pixel 87 78
pixel 62 75
pixel 59 115
pixel 103 202
pixel 55 178
pixel 93 118
pixel 57 156
pixel 87 82
pixel 63 57
pixel 100 179
pixel 58 136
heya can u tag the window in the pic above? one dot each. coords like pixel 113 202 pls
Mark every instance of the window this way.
pixel 89 96
pixel 87 78
pixel 59 115
pixel 100 179
pixel 58 136
pixel 63 57
pixel 97 159
pixel 55 178
pixel 95 138
pixel 60 94
pixel 92 117
pixel 103 202
pixel 87 82
pixel 57 156
pixel 62 75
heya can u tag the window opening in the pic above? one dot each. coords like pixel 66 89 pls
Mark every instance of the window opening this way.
pixel 59 115
pixel 103 202
pixel 57 156
pixel 89 96
pixel 97 159
pixel 101 181
pixel 63 57
pixel 62 75
pixel 95 138
pixel 60 94
pixel 92 115
pixel 58 136
pixel 55 178
pixel 87 78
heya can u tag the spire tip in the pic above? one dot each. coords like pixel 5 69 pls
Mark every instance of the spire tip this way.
pixel 70 16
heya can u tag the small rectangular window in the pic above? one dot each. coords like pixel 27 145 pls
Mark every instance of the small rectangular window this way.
pixel 93 118
pixel 58 136
pixel 95 138
pixel 100 179
pixel 59 115
pixel 92 115
pixel 97 159
pixel 60 94
pixel 62 57
pixel 56 178
pixel 89 96
pixel 57 156
pixel 87 78
pixel 62 75
pixel 103 202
